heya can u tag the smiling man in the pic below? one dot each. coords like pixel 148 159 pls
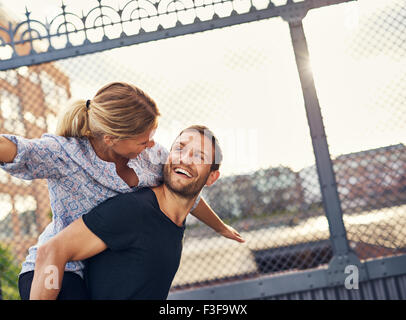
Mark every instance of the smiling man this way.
pixel 134 240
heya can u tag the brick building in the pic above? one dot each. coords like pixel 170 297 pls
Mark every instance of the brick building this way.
pixel 372 179
pixel 30 98
pixel 366 180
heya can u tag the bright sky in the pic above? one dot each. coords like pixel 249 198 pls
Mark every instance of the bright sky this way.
pixel 242 82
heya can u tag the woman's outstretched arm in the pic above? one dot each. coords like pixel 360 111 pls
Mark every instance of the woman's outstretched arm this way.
pixel 30 159
pixel 8 150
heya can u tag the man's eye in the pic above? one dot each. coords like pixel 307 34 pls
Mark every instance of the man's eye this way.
pixel 198 155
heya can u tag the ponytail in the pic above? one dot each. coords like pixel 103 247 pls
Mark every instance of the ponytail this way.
pixel 118 109
pixel 74 122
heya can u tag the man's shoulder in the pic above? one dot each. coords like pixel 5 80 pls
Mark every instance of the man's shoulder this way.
pixel 124 208
pixel 128 198
pixel 137 194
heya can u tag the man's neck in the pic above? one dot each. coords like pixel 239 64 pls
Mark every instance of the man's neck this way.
pixel 172 205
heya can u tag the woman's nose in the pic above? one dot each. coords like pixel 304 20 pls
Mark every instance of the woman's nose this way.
pixel 151 143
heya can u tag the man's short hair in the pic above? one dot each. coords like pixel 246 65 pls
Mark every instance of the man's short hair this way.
pixel 218 154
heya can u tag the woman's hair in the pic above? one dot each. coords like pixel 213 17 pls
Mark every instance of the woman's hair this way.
pixel 118 109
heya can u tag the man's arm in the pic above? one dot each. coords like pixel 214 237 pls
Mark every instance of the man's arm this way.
pixel 75 242
pixel 204 213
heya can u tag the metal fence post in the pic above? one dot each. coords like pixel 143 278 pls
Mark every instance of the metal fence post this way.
pixel 324 166
pixel 342 253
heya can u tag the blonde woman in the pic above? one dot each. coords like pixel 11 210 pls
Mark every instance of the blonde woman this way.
pixel 102 147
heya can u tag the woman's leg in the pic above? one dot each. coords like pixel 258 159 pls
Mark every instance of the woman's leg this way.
pixel 73 286
pixel 24 284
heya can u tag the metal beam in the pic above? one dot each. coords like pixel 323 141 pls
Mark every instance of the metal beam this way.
pixel 290 9
pixel 328 185
pixel 296 281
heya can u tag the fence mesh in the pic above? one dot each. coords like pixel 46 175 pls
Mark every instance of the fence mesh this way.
pixel 361 86
pixel 242 83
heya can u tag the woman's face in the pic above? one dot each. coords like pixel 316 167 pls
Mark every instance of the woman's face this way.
pixel 132 147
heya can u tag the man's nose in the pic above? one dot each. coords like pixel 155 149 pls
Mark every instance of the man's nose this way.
pixel 186 157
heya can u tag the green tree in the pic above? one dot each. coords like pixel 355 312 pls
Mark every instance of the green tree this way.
pixel 9 271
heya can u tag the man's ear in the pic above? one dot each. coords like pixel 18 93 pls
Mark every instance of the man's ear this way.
pixel 213 176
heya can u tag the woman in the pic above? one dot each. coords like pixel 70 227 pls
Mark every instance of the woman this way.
pixel 102 147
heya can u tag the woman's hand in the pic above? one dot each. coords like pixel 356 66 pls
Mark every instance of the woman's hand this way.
pixel 230 233
pixel 8 150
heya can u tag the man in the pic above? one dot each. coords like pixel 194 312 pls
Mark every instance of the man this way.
pixel 134 239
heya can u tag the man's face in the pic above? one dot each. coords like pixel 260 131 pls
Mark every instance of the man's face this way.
pixel 187 169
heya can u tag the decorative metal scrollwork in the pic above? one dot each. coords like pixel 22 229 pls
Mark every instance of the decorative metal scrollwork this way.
pixel 32 41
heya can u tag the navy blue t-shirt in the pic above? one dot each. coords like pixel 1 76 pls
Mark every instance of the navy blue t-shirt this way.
pixel 144 248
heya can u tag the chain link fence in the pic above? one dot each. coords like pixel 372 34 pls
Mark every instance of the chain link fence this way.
pixel 242 83
pixel 361 86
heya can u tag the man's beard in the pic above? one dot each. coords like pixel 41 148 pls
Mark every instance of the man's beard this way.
pixel 187 191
